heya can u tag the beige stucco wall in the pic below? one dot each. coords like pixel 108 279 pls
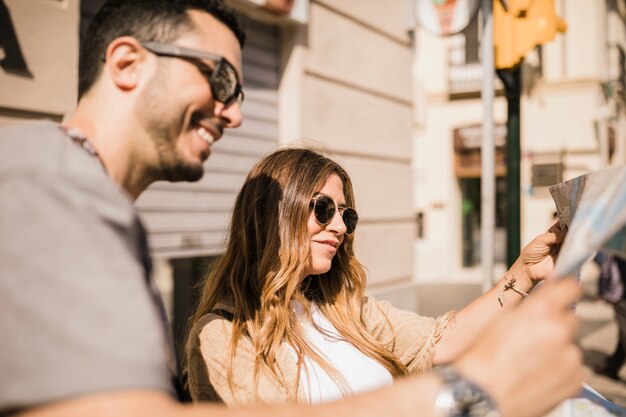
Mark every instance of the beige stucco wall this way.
pixel 355 100
pixel 49 48
pixel 387 17
pixel 558 118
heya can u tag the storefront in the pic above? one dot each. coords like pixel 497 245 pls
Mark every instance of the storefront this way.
pixel 467 167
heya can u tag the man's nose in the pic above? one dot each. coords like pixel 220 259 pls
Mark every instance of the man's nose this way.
pixel 231 113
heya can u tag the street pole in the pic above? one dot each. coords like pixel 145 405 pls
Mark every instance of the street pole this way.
pixel 512 80
pixel 487 178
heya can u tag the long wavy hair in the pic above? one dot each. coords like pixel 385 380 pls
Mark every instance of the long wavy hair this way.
pixel 267 253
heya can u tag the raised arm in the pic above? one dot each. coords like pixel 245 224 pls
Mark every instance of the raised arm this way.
pixel 526 360
pixel 534 264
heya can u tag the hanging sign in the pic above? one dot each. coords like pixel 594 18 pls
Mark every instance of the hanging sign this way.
pixel 467 155
pixel 445 17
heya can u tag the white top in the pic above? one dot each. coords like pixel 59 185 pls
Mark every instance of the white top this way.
pixel 361 372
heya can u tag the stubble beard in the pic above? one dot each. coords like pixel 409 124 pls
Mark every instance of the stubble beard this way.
pixel 164 128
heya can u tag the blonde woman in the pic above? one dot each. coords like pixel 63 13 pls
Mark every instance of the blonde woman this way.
pixel 283 316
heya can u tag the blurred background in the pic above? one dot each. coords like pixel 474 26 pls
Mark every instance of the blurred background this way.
pixel 391 89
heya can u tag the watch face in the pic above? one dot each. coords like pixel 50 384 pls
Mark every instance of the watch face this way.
pixel 466 393
pixel 467 398
pixel 470 399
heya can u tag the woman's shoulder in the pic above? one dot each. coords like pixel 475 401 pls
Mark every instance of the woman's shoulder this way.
pixel 214 328
pixel 370 305
pixel 212 321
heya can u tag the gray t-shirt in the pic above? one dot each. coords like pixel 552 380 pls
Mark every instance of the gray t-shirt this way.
pixel 77 313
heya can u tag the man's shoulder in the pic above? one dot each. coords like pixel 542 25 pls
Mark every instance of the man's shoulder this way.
pixel 39 146
pixel 25 128
pixel 41 155
pixel 25 135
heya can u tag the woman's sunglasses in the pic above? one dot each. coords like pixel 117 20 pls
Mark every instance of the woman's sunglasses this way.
pixel 324 209
pixel 223 79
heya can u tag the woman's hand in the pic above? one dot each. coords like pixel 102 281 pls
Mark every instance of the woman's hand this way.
pixel 527 359
pixel 538 257
pixel 535 263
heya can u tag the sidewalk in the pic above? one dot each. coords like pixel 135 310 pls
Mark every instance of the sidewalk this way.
pixel 597 337
pixel 597 334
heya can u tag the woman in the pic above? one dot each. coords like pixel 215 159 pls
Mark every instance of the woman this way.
pixel 282 315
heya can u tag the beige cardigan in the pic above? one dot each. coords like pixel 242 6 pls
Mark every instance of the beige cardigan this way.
pixel 410 337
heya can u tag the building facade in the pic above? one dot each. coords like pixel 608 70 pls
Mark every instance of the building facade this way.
pixel 572 122
pixel 332 74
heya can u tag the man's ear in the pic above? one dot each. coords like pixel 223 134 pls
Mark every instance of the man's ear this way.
pixel 125 61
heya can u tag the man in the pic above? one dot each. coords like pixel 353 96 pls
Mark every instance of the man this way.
pixel 611 284
pixel 82 330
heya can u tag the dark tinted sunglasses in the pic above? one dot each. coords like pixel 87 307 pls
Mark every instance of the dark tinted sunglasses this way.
pixel 324 209
pixel 223 79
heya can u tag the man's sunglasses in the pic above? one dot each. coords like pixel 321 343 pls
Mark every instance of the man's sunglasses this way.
pixel 324 209
pixel 223 79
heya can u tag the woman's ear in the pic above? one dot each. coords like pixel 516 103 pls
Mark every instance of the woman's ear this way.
pixel 125 62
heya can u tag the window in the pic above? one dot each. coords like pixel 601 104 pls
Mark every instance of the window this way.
pixel 471 215
pixel 13 60
pixel 420 224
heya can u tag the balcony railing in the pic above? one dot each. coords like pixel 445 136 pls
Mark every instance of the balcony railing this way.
pixel 466 78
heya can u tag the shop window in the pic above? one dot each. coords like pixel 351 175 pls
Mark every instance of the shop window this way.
pixel 471 214
pixel 472 40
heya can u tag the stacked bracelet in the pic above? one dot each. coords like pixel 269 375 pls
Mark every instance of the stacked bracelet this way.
pixel 509 285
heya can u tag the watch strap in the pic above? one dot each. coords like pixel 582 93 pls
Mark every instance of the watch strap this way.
pixel 461 397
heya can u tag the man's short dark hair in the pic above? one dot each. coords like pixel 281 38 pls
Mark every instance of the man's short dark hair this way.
pixel 146 20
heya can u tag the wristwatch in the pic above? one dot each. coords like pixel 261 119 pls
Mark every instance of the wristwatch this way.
pixel 460 397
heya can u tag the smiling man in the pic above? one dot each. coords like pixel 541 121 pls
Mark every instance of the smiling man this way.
pixel 160 99
pixel 82 330
pixel 159 81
